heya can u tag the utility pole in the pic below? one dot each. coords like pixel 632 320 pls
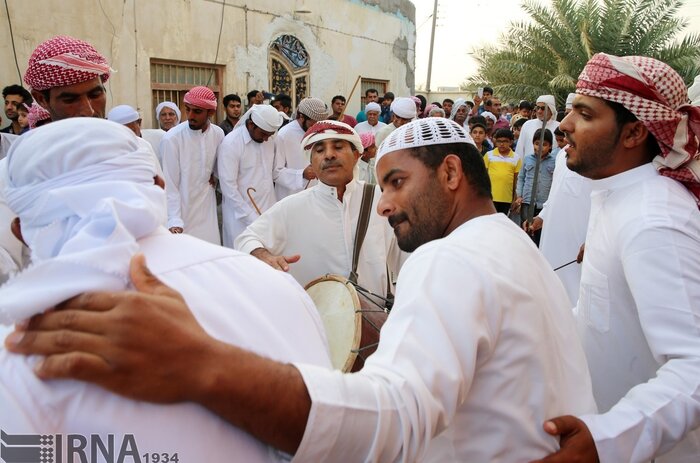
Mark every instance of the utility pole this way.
pixel 432 43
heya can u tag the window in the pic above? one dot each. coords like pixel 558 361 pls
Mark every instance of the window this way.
pixel 170 80
pixel 379 85
pixel 289 68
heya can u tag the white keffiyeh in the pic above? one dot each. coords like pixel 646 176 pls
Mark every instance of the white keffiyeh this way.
pixel 84 191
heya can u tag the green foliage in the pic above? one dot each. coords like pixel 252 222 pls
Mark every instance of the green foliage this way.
pixel 546 55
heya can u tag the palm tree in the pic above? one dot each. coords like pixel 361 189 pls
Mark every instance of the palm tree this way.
pixel 546 55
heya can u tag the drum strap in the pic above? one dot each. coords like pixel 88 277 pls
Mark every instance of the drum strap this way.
pixel 362 224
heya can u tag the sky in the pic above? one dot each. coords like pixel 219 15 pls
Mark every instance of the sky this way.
pixel 465 25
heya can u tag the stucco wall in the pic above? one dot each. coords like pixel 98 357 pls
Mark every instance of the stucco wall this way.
pixel 344 38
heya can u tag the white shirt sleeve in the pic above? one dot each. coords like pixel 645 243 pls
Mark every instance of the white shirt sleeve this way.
pixel 171 172
pixel 267 231
pixel 663 273
pixel 228 159
pixel 292 179
pixel 409 390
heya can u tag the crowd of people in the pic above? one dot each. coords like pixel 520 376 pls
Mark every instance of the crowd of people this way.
pixel 176 257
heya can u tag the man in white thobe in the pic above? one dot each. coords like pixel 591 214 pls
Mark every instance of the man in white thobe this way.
pixel 246 166
pixel 86 205
pixel 168 115
pixel 564 220
pixel 129 117
pixel 372 124
pixel 633 133
pixel 469 360
pixel 293 172
pixel 319 224
pixel 545 108
pixel 403 111
pixel 189 159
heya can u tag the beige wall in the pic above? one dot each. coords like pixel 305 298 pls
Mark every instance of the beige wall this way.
pixel 344 38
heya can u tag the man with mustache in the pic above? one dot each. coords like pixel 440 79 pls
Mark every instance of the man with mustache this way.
pixel 468 362
pixel 314 230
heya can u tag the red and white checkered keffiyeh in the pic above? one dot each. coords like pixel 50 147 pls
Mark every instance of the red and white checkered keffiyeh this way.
pixel 37 114
pixel 201 97
pixel 63 61
pixel 657 96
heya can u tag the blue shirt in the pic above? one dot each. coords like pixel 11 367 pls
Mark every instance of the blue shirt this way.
pixel 544 179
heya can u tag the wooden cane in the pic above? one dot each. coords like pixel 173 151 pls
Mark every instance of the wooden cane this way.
pixel 257 209
pixel 342 113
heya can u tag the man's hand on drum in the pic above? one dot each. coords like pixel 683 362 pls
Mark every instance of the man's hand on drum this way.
pixel 276 262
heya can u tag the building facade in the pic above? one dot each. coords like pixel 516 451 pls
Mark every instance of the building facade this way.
pixel 161 48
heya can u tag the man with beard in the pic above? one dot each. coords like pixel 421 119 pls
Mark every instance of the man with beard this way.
pixel 469 360
pixel 232 106
pixel 15 96
pixel 633 132
pixel 168 115
pixel 189 157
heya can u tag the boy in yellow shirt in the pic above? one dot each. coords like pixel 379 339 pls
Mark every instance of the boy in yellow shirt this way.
pixel 503 167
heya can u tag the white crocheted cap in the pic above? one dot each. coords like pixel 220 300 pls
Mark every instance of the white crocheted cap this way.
pixel 424 132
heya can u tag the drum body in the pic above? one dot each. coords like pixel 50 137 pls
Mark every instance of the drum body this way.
pixel 352 321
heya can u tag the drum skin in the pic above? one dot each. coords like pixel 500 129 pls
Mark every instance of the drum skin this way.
pixel 352 321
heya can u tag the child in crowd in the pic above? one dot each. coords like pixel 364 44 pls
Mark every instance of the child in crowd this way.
pixel 503 167
pixel 478 133
pixel 527 178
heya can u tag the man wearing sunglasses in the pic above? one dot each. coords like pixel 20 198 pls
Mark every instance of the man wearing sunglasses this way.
pixel 545 108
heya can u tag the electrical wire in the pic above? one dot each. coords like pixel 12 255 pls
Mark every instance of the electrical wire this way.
pixel 12 39
pixel 218 41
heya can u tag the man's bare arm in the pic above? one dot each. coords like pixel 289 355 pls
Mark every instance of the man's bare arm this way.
pixel 108 339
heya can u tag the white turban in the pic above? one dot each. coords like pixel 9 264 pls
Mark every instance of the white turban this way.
pixel 489 115
pixel 123 114
pixel 459 102
pixel 264 116
pixel 84 192
pixel 570 100
pixel 551 103
pixel 405 108
pixel 171 105
pixel 372 106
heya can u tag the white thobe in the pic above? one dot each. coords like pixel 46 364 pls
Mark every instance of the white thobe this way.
pixel 15 255
pixel 6 140
pixel 290 161
pixel 154 137
pixel 384 132
pixel 525 145
pixel 243 164
pixel 365 171
pixel 236 299
pixel 639 317
pixel 189 158
pixel 364 127
pixel 314 224
pixel 565 220
pixel 469 354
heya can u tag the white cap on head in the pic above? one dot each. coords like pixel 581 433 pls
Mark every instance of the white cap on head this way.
pixel 424 132
pixel 123 114
pixel 570 100
pixel 551 103
pixel 373 107
pixel 264 116
pixel 489 115
pixel 404 108
pixel 171 105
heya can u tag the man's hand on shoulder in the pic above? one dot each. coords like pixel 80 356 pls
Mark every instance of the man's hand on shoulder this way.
pixel 276 262
pixel 142 344
pixel 576 442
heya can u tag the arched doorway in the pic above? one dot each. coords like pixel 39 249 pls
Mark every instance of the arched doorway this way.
pixel 289 68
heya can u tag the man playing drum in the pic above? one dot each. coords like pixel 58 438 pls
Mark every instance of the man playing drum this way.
pixel 469 364
pixel 314 230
